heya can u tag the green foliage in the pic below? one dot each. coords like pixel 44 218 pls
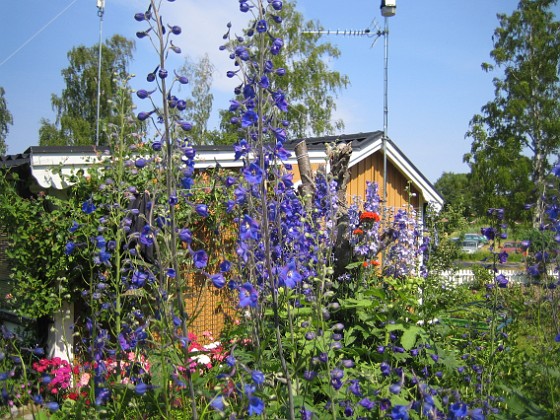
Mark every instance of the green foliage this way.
pixel 76 107
pixel 199 104
pixel 457 193
pixel 523 116
pixel 37 231
pixel 6 120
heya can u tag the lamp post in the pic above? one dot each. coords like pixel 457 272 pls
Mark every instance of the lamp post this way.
pixel 388 9
pixel 100 13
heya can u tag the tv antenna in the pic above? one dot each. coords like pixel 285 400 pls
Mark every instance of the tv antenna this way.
pixel 388 9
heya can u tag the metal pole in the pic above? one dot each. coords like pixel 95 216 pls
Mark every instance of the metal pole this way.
pixel 100 12
pixel 385 105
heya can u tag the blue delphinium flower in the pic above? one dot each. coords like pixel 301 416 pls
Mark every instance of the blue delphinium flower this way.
pixel 218 280
pixel 458 410
pixel 217 403
pixel 501 280
pixel 253 174
pixel 185 235
pixel 258 377
pixel 256 406
pixel 289 276
pixel 385 368
pixel 52 406
pixel 202 210
pixel 248 296
pixel 399 412
pixel 306 414
pixel 69 248
pixel 88 207
pixel 354 387
pixel 200 259
pixel 141 388
pixel 367 403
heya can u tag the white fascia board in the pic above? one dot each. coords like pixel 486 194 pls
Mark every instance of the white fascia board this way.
pixel 204 160
pixel 428 193
pixel 55 170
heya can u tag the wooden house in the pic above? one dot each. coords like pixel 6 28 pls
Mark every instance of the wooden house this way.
pixel 373 159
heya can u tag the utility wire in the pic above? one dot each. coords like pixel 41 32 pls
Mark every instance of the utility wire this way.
pixel 38 32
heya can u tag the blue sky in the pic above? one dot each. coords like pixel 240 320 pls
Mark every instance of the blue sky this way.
pixel 436 48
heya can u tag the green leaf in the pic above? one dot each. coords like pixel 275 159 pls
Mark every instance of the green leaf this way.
pixel 408 338
pixel 353 265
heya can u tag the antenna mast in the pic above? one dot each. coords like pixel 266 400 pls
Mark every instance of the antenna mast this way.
pixel 388 9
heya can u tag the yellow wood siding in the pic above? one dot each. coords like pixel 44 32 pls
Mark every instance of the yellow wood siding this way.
pixel 371 169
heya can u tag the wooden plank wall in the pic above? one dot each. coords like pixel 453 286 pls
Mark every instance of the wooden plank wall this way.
pixel 371 169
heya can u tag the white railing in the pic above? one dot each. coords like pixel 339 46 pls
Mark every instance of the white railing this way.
pixel 466 276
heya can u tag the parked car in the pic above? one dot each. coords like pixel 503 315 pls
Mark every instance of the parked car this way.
pixel 512 247
pixel 475 237
pixel 469 247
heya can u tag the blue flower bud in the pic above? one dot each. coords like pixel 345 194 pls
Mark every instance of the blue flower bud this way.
pixel 142 34
pixel 261 26
pixel 162 73
pixel 277 5
pixel 176 30
pixel 141 388
pixel 202 210
pixel 186 126
pixel 142 116
pixel 175 48
pixel 52 406
pixel 140 17
pixel 181 105
pixel 185 235
pixel 181 79
pixel 143 94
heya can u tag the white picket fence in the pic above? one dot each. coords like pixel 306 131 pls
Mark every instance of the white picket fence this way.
pixel 466 276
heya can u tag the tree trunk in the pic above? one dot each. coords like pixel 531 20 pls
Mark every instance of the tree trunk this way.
pixel 307 187
pixel 339 158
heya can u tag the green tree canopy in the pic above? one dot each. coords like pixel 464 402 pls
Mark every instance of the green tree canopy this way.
pixel 454 188
pixel 6 119
pixel 524 117
pixel 76 107
pixel 199 104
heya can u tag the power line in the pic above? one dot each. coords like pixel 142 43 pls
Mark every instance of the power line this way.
pixel 38 32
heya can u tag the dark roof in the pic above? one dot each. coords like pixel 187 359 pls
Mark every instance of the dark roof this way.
pixel 357 140
pixel 14 160
pixel 24 158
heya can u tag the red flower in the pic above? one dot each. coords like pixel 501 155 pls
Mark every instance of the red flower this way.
pixel 358 231
pixel 369 216
pixel 372 262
